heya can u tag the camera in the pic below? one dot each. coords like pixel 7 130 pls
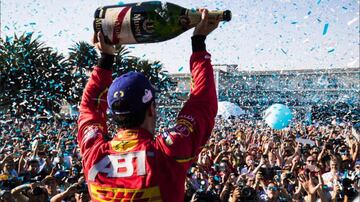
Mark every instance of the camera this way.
pixel 276 138
pixel 205 196
pixel 37 191
pixel 35 179
pixel 289 175
pixel 328 146
pixel 82 188
pixel 267 173
pixel 348 189
pixel 71 180
pixel 4 194
pixel 247 193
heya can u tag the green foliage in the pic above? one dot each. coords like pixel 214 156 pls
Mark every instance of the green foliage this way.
pixel 32 76
pixel 35 80
pixel 83 55
pixel 82 58
pixel 152 70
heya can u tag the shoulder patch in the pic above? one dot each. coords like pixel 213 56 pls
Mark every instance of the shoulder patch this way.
pixel 185 125
pixel 167 139
pixel 91 132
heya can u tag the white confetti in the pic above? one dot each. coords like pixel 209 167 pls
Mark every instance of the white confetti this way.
pixel 354 63
pixel 353 21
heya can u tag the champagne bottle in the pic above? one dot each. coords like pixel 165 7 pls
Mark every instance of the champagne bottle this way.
pixel 148 22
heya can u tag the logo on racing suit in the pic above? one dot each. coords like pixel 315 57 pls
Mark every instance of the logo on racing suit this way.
pixel 147 96
pixel 123 145
pixel 165 135
pixel 91 132
pixel 184 126
pixel 106 193
pixel 119 165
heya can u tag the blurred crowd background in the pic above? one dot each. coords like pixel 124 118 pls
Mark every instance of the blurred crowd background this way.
pixel 247 161
pixel 243 161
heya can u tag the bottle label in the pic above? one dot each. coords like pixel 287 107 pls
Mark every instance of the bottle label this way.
pixel 142 27
pixel 144 22
pixel 116 25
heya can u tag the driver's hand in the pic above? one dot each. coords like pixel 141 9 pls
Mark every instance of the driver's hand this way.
pixel 205 26
pixel 99 43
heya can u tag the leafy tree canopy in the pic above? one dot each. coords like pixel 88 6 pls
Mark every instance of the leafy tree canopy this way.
pixel 35 79
pixel 32 76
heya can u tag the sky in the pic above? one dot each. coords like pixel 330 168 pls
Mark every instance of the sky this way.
pixel 263 34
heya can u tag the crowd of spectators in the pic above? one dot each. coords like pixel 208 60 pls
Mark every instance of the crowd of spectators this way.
pixel 40 161
pixel 242 161
pixel 247 161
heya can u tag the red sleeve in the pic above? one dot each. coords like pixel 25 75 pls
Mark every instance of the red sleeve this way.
pixel 92 119
pixel 197 118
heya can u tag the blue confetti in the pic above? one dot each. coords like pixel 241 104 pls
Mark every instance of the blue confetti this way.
pixel 326 26
pixel 156 65
pixel 294 22
pixel 318 2
pixel 120 3
pixel 32 23
pixel 284 51
pixel 181 68
pixel 9 39
pixel 131 47
pixel 344 8
pixel 331 50
pixel 309 13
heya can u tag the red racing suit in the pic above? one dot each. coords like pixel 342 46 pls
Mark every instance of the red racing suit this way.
pixel 136 165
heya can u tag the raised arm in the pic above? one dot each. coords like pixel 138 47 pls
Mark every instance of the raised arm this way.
pixel 197 118
pixel 92 119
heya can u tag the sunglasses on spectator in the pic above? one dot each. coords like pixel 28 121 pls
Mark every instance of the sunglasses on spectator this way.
pixel 272 188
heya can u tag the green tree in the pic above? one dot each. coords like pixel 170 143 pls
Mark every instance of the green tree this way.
pixel 152 70
pixel 35 79
pixel 82 57
pixel 32 76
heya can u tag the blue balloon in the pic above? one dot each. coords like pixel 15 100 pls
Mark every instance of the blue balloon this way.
pixel 277 116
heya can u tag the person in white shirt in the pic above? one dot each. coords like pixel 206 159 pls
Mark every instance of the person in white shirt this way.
pixel 331 178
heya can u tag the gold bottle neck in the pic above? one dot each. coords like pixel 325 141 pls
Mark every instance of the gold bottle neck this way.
pixel 195 16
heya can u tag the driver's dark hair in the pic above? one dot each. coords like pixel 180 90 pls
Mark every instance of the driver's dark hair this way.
pixel 131 120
